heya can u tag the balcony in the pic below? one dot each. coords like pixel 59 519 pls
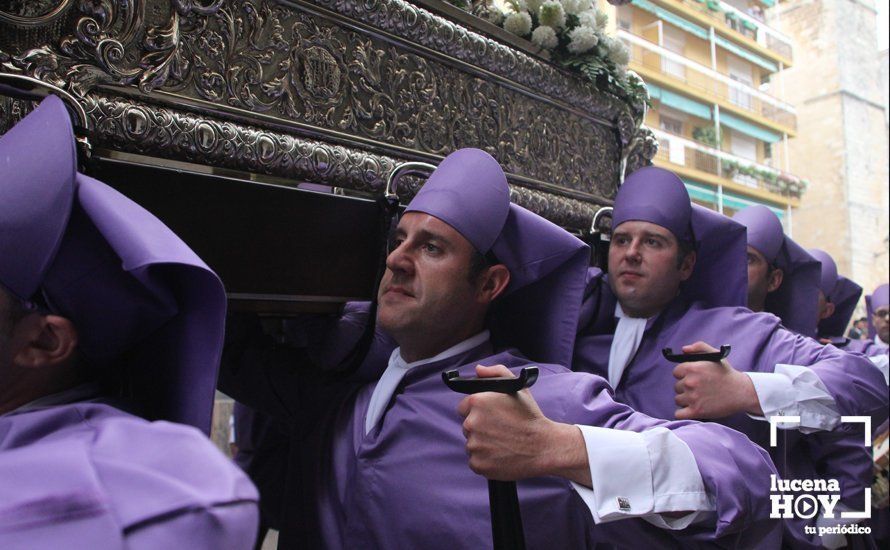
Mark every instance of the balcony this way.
pixel 708 83
pixel 742 172
pixel 750 25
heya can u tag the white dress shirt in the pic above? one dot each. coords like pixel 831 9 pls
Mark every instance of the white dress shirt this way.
pixel 634 474
pixel 793 390
pixel 625 343
pixel 882 362
pixel 641 474
pixel 398 368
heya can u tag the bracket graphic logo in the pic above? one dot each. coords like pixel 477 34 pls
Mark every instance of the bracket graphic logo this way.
pixel 805 498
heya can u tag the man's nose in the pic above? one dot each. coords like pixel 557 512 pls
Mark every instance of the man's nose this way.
pixel 399 260
pixel 633 251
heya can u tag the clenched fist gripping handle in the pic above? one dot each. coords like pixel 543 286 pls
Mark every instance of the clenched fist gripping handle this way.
pixel 506 520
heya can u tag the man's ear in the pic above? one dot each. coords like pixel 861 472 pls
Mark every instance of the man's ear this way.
pixel 775 280
pixel 495 281
pixel 687 266
pixel 43 341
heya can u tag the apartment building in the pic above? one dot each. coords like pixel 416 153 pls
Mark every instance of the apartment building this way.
pixel 708 64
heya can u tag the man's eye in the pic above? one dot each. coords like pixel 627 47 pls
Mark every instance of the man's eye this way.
pixel 653 243
pixel 431 248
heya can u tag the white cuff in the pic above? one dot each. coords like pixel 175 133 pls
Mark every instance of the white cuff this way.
pixel 642 475
pixel 883 364
pixel 793 390
pixel 832 541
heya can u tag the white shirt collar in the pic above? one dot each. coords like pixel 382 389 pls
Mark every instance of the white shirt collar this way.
pixel 625 343
pixel 398 368
pixel 466 345
pixel 620 314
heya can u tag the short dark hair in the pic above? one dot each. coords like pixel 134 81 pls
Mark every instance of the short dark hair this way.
pixel 479 262
pixel 684 248
pixel 16 311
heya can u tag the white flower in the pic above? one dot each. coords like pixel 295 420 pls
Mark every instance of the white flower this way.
pixel 618 53
pixel 495 16
pixel 519 24
pixel 601 20
pixel 582 39
pixel 533 5
pixel 515 6
pixel 545 37
pixel 587 18
pixel 552 14
pixel 574 7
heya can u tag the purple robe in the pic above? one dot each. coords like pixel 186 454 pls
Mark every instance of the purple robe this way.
pixel 407 483
pixel 876 300
pixel 795 301
pixel 647 383
pixel 88 475
pixel 869 348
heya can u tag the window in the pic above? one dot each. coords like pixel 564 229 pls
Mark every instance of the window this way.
pixel 671 125
pixel 743 146
pixel 673 40
pixel 740 71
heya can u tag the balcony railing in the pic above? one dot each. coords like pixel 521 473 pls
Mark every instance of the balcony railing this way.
pixel 691 154
pixel 747 24
pixel 707 81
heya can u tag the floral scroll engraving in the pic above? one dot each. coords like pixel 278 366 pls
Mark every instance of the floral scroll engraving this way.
pixel 382 79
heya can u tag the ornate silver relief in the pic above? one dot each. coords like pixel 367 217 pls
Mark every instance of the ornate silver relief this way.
pixel 640 151
pixel 378 75
pixel 129 126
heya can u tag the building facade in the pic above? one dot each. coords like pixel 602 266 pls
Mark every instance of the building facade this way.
pixel 708 65
pixel 838 85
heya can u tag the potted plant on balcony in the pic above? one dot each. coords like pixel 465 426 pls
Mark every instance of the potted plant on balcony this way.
pixel 783 184
pixel 732 20
pixel 706 135
pixel 714 5
pixel 730 168
pixel 705 161
pixel 747 175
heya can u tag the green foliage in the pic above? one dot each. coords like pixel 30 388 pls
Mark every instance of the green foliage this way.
pixel 606 77
pixel 730 167
pixel 595 65
pixel 707 135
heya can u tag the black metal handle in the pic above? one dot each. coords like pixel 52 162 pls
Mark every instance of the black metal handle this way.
pixel 506 519
pixel 527 377
pixel 31 89
pixel 688 357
